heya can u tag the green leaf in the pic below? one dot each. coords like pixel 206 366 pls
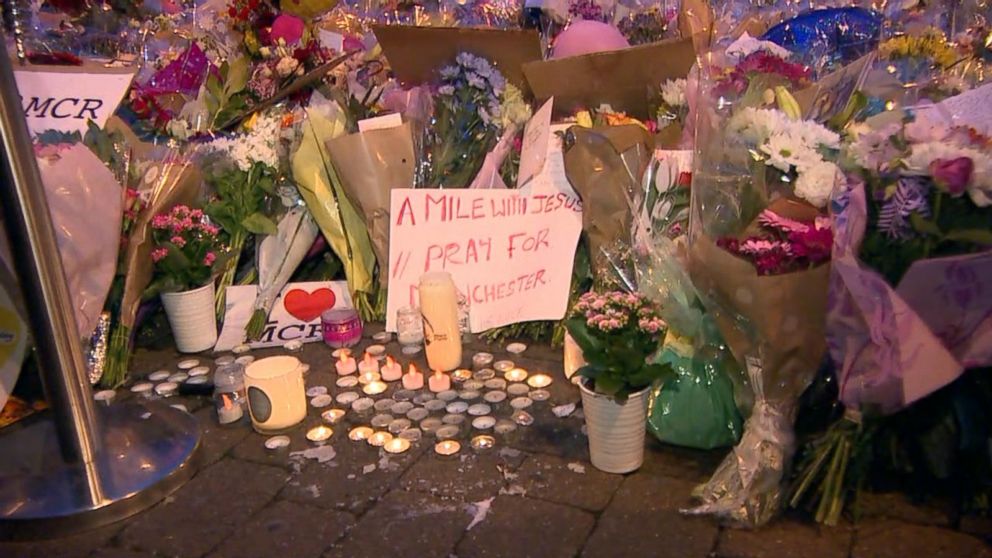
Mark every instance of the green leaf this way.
pixel 257 223
pixel 923 225
pixel 974 236
pixel 608 384
pixel 237 76
pixel 583 337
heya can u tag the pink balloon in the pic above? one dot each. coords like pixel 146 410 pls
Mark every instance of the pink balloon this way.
pixel 586 37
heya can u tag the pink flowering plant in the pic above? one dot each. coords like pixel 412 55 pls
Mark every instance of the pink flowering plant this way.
pixel 187 249
pixel 617 332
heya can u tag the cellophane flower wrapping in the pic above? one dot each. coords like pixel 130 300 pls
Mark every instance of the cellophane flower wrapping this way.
pixel 766 293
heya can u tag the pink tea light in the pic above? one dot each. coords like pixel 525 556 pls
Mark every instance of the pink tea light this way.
pixel 391 370
pixel 345 365
pixel 439 382
pixel 413 379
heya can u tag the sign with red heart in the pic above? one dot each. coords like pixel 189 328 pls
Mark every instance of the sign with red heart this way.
pixel 294 316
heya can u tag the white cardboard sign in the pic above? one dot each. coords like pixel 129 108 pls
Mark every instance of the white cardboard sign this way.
pixel 66 100
pixel 294 316
pixel 510 251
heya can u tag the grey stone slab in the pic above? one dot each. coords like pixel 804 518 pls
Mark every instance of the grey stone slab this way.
pixel 550 478
pixel 73 546
pixel 205 511
pixel 358 476
pixel 895 539
pixel 520 527
pixel 896 505
pixel 683 463
pixel 286 529
pixel 643 520
pixel 217 440
pixel 978 526
pixel 405 524
pixel 786 538
pixel 466 477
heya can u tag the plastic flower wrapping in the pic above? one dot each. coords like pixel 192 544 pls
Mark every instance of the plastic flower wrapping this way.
pixel 759 251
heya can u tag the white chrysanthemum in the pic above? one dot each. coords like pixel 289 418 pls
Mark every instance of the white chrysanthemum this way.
pixel 814 135
pixel 514 110
pixel 259 145
pixel 754 126
pixel 673 92
pixel 780 150
pixel 816 183
pixel 746 44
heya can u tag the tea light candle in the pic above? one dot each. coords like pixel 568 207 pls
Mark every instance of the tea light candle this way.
pixel 515 375
pixel 391 371
pixel 439 382
pixel 375 388
pixel 360 433
pixel 413 379
pixel 345 365
pixel 397 445
pixel 483 442
pixel 539 381
pixel 332 416
pixel 379 439
pixel 368 364
pixel 482 360
pixel 447 447
pixel 367 377
pixel 319 433
pixel 461 375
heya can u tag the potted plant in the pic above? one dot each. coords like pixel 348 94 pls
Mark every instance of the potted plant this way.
pixel 185 254
pixel 617 332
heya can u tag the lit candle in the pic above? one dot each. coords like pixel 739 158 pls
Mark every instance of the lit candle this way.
pixel 345 365
pixel 539 381
pixel 319 433
pixel 367 376
pixel 515 375
pixel 391 371
pixel 461 375
pixel 368 364
pixel 439 382
pixel 379 439
pixel 360 433
pixel 332 416
pixel 413 379
pixel 483 442
pixel 447 447
pixel 397 445
pixel 375 388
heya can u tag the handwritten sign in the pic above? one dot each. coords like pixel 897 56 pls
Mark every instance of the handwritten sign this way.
pixel 537 137
pixel 65 99
pixel 509 251
pixel 294 316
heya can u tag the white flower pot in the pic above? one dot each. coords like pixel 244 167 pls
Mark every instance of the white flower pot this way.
pixel 192 319
pixel 616 430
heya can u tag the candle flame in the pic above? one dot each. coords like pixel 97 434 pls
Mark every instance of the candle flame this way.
pixel 437 373
pixel 342 357
pixel 368 359
pixel 390 361
pixel 413 369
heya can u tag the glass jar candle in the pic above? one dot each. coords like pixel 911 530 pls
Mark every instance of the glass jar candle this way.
pixel 230 398
pixel 342 327
pixel 409 327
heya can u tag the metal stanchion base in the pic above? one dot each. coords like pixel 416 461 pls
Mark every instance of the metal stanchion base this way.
pixel 147 452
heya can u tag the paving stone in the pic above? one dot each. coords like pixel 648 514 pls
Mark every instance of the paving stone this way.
pixel 681 463
pixel 467 477
pixel 205 511
pixel 896 505
pixel 217 440
pixel 643 520
pixel 342 483
pixel 405 524
pixel 286 529
pixel 785 538
pixel 252 447
pixel 120 553
pixel 519 527
pixel 895 539
pixel 549 478
pixel 73 546
pixel 977 526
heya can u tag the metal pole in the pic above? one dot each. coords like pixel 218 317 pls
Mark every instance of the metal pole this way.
pixel 42 279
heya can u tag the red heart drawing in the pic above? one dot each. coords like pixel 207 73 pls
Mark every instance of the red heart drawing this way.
pixel 306 306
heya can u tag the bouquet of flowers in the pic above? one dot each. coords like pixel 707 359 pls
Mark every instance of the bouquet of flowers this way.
pixel 672 108
pixel 909 306
pixel 186 249
pixel 473 106
pixel 242 171
pixel 758 255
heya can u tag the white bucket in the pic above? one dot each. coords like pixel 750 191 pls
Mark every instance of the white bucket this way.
pixel 616 431
pixel 192 319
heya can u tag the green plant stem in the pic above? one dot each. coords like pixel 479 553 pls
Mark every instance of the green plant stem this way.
pixel 238 239
pixel 256 325
pixel 118 355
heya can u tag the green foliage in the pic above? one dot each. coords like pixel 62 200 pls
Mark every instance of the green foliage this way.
pixel 225 95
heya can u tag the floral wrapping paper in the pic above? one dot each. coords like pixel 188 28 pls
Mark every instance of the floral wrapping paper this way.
pixel 893 346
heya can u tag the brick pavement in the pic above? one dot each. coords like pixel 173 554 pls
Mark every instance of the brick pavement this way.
pixel 248 502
